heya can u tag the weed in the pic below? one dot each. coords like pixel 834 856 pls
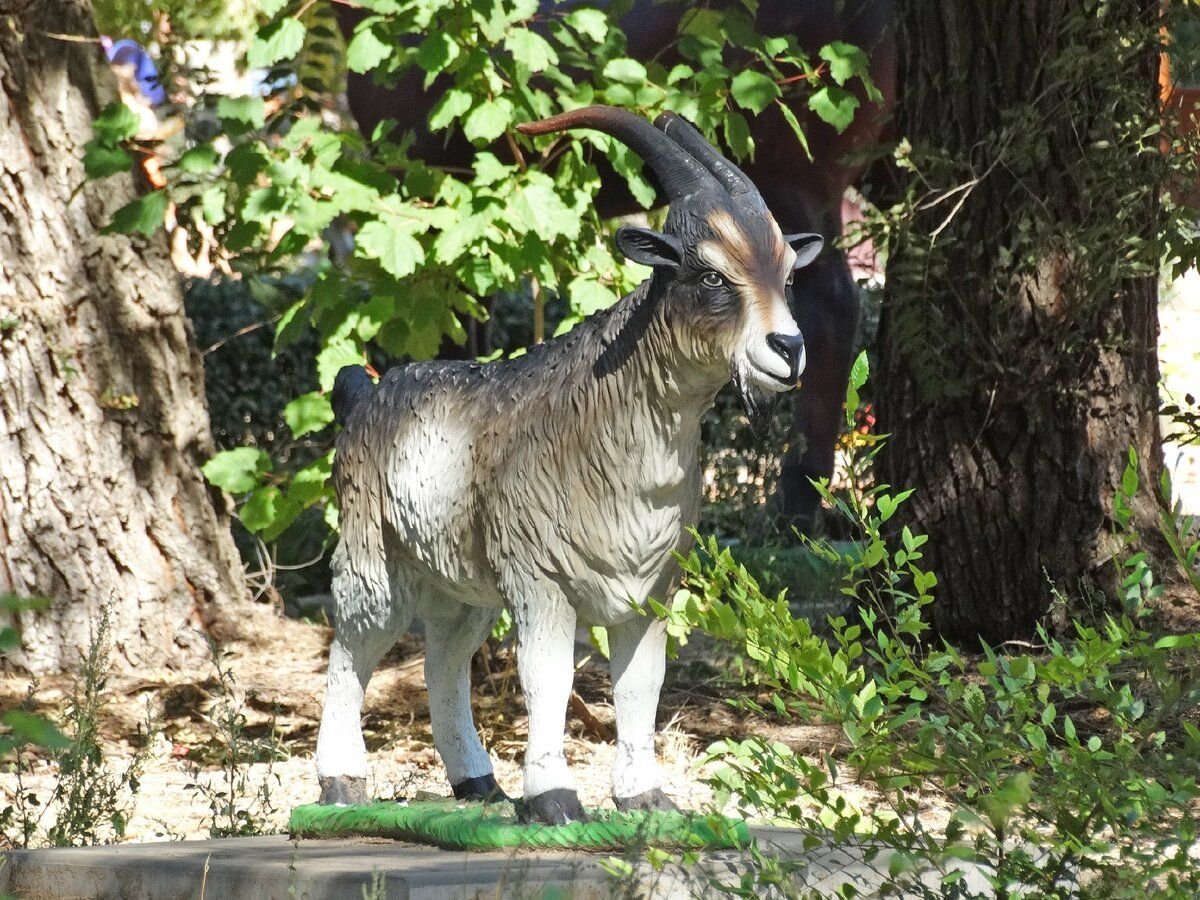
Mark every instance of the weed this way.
pixel 90 803
pixel 238 806
pixel 1070 765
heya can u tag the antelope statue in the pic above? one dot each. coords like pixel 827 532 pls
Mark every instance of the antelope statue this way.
pixel 558 485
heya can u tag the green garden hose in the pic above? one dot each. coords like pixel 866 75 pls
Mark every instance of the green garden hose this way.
pixel 479 826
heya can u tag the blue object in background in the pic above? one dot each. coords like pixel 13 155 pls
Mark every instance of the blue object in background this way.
pixel 126 52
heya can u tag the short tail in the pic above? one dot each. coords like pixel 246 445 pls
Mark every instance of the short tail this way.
pixel 352 386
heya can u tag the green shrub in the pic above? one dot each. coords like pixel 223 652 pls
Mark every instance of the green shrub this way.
pixel 1068 766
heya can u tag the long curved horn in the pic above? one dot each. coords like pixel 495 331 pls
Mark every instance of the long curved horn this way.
pixel 679 173
pixel 686 135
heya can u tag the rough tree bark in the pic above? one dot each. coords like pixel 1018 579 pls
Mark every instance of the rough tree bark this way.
pixel 1019 333
pixel 102 416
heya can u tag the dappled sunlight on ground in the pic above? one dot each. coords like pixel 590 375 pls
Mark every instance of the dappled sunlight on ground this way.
pixel 279 672
pixel 1179 361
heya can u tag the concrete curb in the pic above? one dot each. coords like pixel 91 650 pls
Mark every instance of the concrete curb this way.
pixel 277 868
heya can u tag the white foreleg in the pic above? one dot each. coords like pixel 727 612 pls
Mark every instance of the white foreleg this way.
pixel 639 657
pixel 453 632
pixel 545 625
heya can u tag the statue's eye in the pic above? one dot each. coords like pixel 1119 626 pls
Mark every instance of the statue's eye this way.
pixel 712 280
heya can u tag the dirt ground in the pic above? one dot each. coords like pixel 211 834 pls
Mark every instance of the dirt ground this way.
pixel 278 668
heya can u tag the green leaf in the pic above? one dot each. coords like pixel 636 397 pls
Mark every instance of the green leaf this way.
pixel 336 354
pixel 100 160
pixel 797 130
pixel 311 483
pixel 292 324
pixel 599 637
pixel 590 22
pixel 452 105
pixel 1177 641
pixel 144 215
pixel 834 105
pixel 249 110
pixel 845 60
pixel 271 8
pixel 237 470
pixel 200 159
pixel 307 413
pixel 753 90
pixel 10 639
pixel 489 169
pixel 35 729
pixel 397 251
pixel 537 207
pixel 277 41
pixel 436 52
pixel 488 120
pixel 269 512
pixel 116 123
pixel 212 204
pixel 366 50
pixel 703 23
pixel 588 296
pixel 530 50
pixel 625 70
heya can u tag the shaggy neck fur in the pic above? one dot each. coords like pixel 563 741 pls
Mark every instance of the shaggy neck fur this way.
pixel 627 374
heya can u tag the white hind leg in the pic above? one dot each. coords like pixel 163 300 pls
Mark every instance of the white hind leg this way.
pixel 371 616
pixel 453 632
pixel 341 753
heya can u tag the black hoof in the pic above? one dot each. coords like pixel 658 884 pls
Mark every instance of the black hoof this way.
pixel 483 788
pixel 646 802
pixel 557 807
pixel 343 790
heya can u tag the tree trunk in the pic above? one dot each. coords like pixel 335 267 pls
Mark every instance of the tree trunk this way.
pixel 102 416
pixel 1020 323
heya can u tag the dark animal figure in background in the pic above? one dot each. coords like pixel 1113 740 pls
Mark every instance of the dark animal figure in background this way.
pixel 558 485
pixel 803 195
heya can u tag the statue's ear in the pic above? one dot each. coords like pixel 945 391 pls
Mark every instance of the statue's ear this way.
pixel 648 247
pixel 807 246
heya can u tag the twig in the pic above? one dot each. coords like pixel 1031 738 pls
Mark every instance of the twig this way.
pixel 73 38
pixel 254 326
pixel 204 880
pixel 592 725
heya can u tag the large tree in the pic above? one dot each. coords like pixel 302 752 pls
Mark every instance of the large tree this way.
pixel 102 416
pixel 1019 333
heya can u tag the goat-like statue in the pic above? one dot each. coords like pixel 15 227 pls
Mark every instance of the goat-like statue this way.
pixel 558 485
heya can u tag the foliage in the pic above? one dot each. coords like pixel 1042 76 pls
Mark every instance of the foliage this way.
pixel 238 807
pixel 23 728
pixel 1184 420
pixel 1069 766
pixel 90 802
pixel 429 241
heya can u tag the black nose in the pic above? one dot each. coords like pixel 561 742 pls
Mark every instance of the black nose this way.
pixel 790 347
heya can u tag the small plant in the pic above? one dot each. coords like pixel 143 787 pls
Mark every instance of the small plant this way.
pixel 90 803
pixel 1068 765
pixel 238 807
